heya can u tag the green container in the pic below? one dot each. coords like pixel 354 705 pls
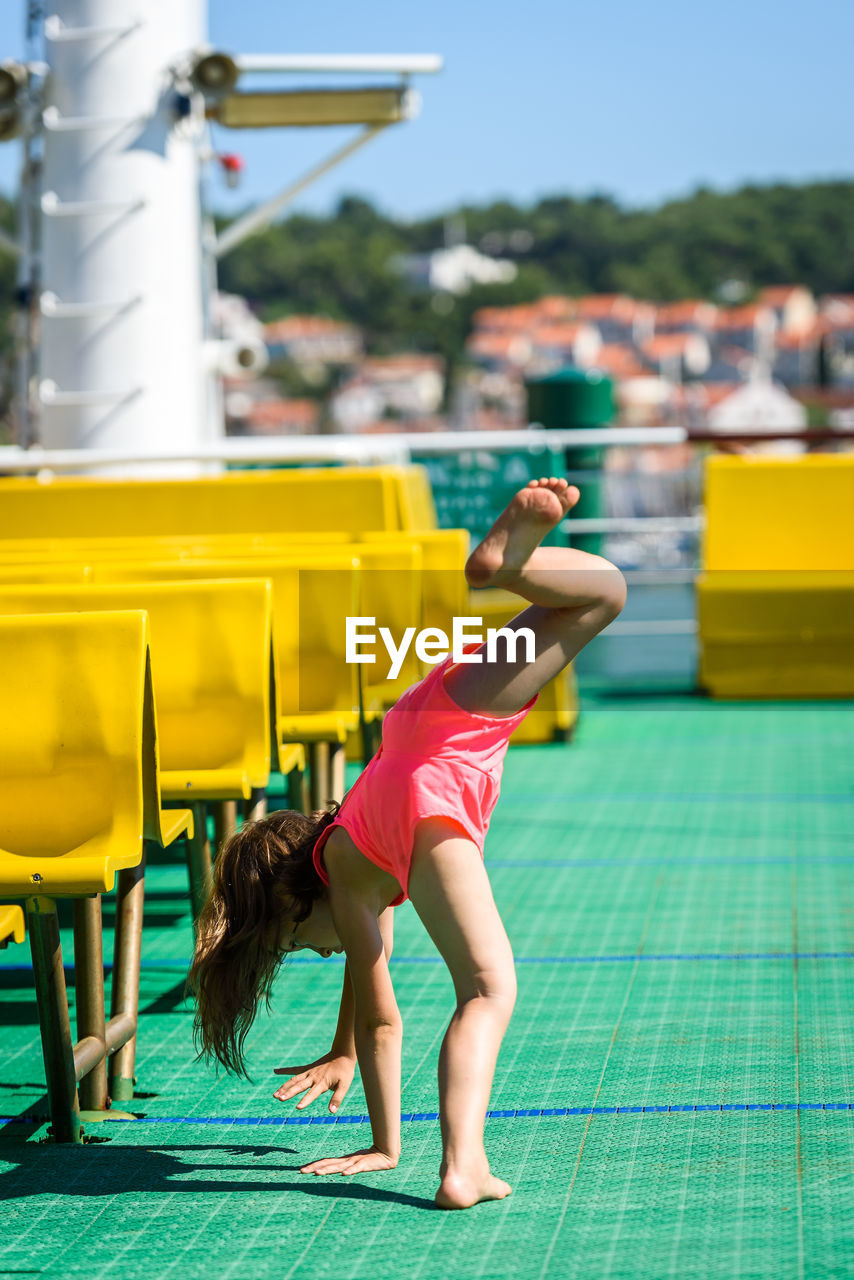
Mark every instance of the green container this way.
pixel 577 398
pixel 571 398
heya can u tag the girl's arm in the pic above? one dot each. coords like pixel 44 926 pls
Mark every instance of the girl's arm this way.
pixel 378 1033
pixel 335 1069
pixel 343 1042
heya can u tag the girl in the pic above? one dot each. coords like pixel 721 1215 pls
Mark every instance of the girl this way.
pixel 412 826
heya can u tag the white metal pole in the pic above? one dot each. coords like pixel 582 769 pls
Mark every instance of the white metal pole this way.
pixel 122 329
pixel 403 64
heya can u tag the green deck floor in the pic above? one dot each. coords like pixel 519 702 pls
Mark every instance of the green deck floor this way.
pixel 678 888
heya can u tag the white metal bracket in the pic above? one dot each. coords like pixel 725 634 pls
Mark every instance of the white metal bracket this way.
pixel 51 307
pixel 52 397
pixel 53 207
pixel 57 32
pixel 55 122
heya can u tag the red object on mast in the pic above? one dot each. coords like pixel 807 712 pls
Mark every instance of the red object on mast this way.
pixel 232 166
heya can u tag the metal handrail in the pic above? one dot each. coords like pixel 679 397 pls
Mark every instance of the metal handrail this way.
pixel 392 448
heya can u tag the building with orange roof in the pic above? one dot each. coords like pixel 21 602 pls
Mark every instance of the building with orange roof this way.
pixel 793 305
pixel 838 310
pixel 497 349
pixel 749 328
pixel 620 361
pixel 677 355
pixel 604 306
pixel 271 416
pixel 313 340
pixel 798 355
pixel 732 319
pixel 407 386
pixel 618 317
pixel 506 319
pixel 556 307
pixel 691 315
pixel 555 344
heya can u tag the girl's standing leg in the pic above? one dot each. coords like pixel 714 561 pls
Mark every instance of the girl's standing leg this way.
pixel 450 891
pixel 573 596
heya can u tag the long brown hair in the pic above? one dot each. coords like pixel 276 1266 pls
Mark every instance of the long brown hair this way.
pixel 262 872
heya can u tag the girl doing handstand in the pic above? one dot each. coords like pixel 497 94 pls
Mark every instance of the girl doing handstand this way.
pixel 412 826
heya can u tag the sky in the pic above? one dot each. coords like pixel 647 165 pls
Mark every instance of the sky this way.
pixel 543 97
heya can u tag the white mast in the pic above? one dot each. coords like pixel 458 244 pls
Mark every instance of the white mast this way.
pixel 127 365
pixel 121 362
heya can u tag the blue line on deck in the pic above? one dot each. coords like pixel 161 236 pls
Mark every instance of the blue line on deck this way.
pixel 337 961
pixel 515 1114
pixel 683 863
pixel 700 797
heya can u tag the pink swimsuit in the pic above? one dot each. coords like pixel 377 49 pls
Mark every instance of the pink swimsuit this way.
pixel 436 760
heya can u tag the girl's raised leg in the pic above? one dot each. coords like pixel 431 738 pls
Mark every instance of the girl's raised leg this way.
pixel 450 891
pixel 573 596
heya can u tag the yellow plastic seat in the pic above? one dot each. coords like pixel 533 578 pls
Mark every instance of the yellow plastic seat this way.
pixel 416 508
pixel 212 651
pixel 312 596
pixel 79 796
pixel 79 784
pixel 25 572
pixel 775 602
pixel 779 513
pixel 389 592
pixel 155 546
pixel 11 925
pixel 444 590
pixel 344 498
pixel 776 634
pixel 317 691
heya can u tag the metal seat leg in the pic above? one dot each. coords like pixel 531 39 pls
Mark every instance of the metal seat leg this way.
pixel 89 988
pixel 54 1023
pixel 199 860
pixel 130 896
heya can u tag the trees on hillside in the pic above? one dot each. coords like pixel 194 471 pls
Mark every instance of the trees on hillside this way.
pixel 343 265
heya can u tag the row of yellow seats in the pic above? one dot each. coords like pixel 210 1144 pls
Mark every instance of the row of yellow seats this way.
pixel 400 580
pixel 319 697
pixel 313 656
pixel 215 661
pixel 79 797
pixel 442 553
pixel 305 500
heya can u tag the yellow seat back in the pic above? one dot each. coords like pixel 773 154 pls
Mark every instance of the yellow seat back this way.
pixel 76 722
pixel 779 513
pixel 390 593
pixel 212 652
pixel 312 596
pixel 335 498
pixel 416 508
pixel 444 590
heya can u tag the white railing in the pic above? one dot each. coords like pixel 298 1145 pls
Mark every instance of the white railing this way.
pixel 396 448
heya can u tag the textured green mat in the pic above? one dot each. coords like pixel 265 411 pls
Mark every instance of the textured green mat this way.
pixel 677 885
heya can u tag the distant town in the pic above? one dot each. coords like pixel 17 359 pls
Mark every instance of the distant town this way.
pixel 784 362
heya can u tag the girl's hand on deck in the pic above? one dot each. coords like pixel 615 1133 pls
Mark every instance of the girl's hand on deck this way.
pixel 366 1161
pixel 332 1071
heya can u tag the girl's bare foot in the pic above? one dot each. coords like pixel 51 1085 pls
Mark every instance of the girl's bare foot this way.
pixel 461 1191
pixel 519 530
